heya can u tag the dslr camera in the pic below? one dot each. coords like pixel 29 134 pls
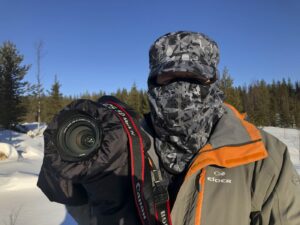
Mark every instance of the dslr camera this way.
pixel 95 162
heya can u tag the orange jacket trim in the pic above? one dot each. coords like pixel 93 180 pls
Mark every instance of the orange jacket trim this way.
pixel 251 129
pixel 228 156
pixel 200 198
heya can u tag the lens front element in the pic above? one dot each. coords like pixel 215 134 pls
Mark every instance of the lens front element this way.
pixel 78 137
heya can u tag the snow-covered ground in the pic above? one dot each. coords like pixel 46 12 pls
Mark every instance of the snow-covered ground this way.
pixel 20 199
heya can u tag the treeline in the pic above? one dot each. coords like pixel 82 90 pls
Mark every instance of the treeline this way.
pixel 273 104
pixel 54 101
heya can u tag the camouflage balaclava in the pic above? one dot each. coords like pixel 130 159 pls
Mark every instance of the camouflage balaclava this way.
pixel 184 109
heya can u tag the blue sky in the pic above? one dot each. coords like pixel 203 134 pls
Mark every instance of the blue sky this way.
pixel 103 45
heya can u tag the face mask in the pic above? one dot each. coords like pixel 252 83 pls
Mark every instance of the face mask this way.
pixel 183 115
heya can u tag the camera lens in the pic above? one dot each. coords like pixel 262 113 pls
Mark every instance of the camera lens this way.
pixel 78 136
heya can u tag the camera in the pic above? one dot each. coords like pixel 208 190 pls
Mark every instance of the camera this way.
pixel 78 136
pixel 94 157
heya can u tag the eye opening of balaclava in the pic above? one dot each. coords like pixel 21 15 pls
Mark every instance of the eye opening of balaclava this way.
pixel 183 115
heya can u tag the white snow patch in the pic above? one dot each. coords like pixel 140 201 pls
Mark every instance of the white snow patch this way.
pixel 18 178
pixel 17 181
pixel 32 153
pixel 35 129
pixel 34 208
pixel 10 152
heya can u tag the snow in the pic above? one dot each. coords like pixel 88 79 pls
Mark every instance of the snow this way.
pixel 9 151
pixel 19 195
pixel 20 198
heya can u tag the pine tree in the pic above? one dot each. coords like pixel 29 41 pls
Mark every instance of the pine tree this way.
pixel 86 95
pixel 297 108
pixel 144 103
pixel 124 95
pixel 55 100
pixel 12 86
pixel 261 103
pixel 274 105
pixel 232 96
pixel 284 106
pixel 134 99
pixel 118 94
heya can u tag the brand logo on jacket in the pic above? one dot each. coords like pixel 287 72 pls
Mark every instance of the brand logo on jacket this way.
pixel 219 178
pixel 219 173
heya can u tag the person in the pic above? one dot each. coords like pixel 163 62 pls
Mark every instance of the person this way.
pixel 233 173
pixel 218 167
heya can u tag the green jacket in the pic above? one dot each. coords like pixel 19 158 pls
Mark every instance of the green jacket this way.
pixel 243 176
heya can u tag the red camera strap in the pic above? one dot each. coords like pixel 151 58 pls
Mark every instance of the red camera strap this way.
pixel 137 156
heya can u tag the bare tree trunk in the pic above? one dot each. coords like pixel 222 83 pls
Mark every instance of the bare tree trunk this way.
pixel 39 47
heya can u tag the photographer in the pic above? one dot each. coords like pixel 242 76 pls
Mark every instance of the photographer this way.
pixel 204 164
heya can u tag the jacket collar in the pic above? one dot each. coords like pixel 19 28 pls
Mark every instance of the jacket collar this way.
pixel 232 129
pixel 234 142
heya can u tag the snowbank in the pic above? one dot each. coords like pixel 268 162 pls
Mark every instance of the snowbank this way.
pixel 9 151
pixel 18 178
pixel 17 182
pixel 35 129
